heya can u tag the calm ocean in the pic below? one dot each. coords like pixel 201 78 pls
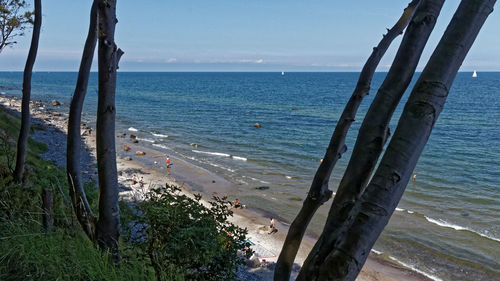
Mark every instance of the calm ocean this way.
pixel 447 225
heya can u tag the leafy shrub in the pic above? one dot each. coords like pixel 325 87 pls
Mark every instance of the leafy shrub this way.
pixel 186 240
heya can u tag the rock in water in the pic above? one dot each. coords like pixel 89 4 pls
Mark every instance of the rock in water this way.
pixel 133 137
pixel 126 148
pixel 56 114
pixel 262 187
pixel 140 153
pixel 257 125
pixel 56 103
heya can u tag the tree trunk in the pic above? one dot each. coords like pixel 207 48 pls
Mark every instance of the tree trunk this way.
pixel 76 191
pixel 48 209
pixel 374 130
pixel 319 192
pixel 22 142
pixel 372 211
pixel 108 224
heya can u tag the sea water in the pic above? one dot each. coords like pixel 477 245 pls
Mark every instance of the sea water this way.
pixel 447 225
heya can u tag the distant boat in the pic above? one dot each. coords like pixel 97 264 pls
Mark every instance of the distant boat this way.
pixel 282 73
pixel 474 74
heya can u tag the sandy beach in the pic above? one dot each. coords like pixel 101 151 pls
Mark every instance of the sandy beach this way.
pixel 50 123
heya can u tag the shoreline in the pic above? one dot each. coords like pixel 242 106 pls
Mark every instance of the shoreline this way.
pixel 192 179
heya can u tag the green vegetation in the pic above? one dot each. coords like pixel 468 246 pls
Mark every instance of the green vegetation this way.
pixel 186 240
pixel 27 252
pixel 178 223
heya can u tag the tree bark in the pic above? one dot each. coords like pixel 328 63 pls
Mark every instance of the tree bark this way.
pixel 22 142
pixel 372 211
pixel 374 130
pixel 48 210
pixel 319 192
pixel 108 224
pixel 77 193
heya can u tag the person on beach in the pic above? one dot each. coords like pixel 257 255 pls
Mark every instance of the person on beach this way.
pixel 141 182
pixel 236 203
pixel 415 177
pixel 134 179
pixel 168 164
pixel 272 226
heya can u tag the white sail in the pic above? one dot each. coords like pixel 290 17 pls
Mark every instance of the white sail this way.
pixel 474 74
pixel 282 73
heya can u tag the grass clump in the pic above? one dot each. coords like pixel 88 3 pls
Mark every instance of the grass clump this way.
pixel 26 251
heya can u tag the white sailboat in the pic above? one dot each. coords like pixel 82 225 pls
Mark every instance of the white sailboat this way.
pixel 474 74
pixel 282 73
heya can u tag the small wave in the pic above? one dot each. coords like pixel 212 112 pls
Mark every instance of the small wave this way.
pixel 159 135
pixel 222 167
pixel 376 252
pixel 132 129
pixel 239 158
pixel 161 146
pixel 288 177
pixel 404 210
pixel 146 140
pixel 444 223
pixel 212 153
pixel 416 269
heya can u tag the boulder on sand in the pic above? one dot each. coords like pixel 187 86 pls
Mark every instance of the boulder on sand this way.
pixel 56 103
pixel 140 153
pixel 254 262
pixel 56 113
pixel 126 148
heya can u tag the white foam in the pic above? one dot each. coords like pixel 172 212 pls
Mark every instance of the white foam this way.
pixel 444 223
pixel 416 269
pixel 288 177
pixel 212 153
pixel 132 129
pixel 239 158
pixel 161 146
pixel 222 167
pixel 404 210
pixel 159 135
pixel 376 252
pixel 146 140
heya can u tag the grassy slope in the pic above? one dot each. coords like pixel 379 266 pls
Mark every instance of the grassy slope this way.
pixel 26 252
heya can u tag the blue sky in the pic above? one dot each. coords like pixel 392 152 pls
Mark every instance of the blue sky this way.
pixel 239 35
